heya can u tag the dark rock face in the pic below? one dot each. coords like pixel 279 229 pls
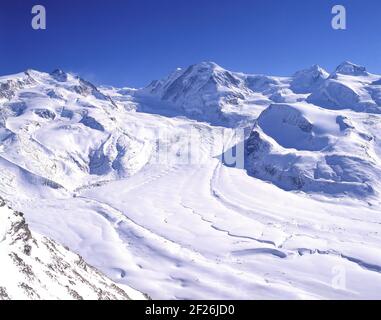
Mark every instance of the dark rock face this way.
pixel 59 75
pixel 45 114
pixel 90 122
pixel 9 87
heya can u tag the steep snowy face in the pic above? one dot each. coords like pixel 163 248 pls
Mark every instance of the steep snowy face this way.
pixel 9 85
pixel 202 90
pixel 351 69
pixel 262 83
pixel 35 267
pixel 306 81
pixel 303 147
pixel 199 78
pixel 158 87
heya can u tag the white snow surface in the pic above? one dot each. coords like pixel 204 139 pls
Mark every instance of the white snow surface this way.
pixel 35 267
pixel 110 173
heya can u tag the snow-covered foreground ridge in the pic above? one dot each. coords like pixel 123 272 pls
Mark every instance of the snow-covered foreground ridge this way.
pixel 35 267
pixel 205 184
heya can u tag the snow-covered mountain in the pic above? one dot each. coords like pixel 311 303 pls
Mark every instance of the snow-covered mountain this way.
pixel 302 147
pixel 349 87
pixel 308 80
pixel 200 90
pixel 136 180
pixel 35 267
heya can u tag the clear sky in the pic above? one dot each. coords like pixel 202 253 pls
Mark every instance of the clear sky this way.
pixel 131 42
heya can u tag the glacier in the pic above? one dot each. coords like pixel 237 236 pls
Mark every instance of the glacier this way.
pixel 136 181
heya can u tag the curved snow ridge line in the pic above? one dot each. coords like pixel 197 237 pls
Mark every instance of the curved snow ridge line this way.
pixel 212 225
pixel 228 212
pixel 245 237
pixel 239 208
pixel 229 233
pixel 257 251
pixel 363 264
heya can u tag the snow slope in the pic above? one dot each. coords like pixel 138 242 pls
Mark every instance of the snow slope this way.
pixel 137 181
pixel 35 267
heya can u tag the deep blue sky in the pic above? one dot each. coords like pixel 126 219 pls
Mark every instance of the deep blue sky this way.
pixel 131 42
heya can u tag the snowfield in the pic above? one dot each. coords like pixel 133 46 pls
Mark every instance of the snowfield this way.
pixel 208 184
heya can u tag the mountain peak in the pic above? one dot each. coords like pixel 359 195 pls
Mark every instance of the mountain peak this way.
pixel 205 67
pixel 314 70
pixel 205 76
pixel 32 73
pixel 58 71
pixel 307 80
pixel 318 68
pixel 207 64
pixel 351 69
